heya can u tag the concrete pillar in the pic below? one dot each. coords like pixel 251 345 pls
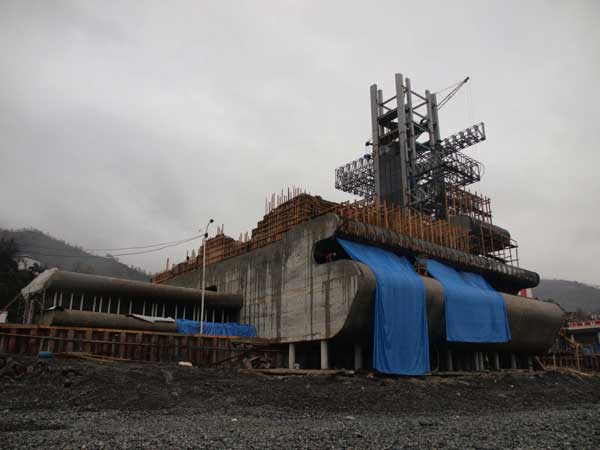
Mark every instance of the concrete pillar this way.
pixel 358 357
pixel 476 361
pixel 513 361
pixel 324 355
pixel 530 362
pixel 496 361
pixel 291 355
pixel 449 364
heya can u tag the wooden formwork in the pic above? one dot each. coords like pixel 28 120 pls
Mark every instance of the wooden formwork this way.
pixel 287 211
pixel 132 345
pixel 406 221
pixel 463 202
pixel 578 361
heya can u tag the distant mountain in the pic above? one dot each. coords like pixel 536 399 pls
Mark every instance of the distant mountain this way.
pixel 53 252
pixel 571 295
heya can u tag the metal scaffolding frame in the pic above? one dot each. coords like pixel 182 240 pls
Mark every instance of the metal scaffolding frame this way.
pixel 410 164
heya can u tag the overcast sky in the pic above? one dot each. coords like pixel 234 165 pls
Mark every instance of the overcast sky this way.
pixel 130 123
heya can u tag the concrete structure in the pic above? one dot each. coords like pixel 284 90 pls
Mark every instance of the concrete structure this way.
pixel 325 309
pixel 87 300
pixel 586 333
pixel 293 281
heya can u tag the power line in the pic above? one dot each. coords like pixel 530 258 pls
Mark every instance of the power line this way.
pixel 118 248
pixel 66 255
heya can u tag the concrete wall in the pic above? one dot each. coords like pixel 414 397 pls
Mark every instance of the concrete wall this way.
pixel 288 296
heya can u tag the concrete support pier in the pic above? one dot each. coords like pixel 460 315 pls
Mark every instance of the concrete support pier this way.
pixel 496 361
pixel 449 365
pixel 358 357
pixel 513 361
pixel 324 355
pixel 291 355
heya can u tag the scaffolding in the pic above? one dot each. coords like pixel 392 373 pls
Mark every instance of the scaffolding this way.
pixel 411 166
pixel 285 211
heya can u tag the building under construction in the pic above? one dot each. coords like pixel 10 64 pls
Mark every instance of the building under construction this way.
pixel 414 276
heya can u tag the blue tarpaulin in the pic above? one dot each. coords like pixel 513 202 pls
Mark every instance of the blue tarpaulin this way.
pixel 475 311
pixel 400 341
pixel 216 329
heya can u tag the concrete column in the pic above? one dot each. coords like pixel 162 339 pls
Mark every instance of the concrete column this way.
pixel 449 364
pixel 291 355
pixel 358 357
pixel 513 361
pixel 530 362
pixel 324 355
pixel 476 361
pixel 496 361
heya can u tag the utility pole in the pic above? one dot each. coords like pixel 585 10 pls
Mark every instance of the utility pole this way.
pixel 204 274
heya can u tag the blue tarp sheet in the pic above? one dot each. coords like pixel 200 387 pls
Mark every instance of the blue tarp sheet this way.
pixel 216 329
pixel 400 341
pixel 475 311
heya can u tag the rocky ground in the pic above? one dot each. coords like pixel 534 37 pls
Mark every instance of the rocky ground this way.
pixel 73 404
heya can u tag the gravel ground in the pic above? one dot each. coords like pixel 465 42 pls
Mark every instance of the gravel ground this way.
pixel 71 404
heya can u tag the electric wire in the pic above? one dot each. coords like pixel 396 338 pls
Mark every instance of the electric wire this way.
pixel 72 255
pixel 139 247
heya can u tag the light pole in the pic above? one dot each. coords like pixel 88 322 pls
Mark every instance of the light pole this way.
pixel 204 275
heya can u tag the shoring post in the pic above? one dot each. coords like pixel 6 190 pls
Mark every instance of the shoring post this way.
pixel 291 355
pixel 449 364
pixel 324 355
pixel 358 357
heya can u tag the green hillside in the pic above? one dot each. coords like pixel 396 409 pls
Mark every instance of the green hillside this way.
pixel 53 252
pixel 571 295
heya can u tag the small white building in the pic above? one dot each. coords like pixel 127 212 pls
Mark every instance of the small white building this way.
pixel 25 262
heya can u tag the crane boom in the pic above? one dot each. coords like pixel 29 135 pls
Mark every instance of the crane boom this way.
pixel 452 93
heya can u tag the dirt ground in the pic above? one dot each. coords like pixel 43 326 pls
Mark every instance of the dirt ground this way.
pixel 75 404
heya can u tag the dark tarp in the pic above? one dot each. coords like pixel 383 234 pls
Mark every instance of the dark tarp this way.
pixel 475 311
pixel 216 329
pixel 400 341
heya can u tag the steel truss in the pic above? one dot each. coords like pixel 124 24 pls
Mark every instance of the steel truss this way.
pixel 410 164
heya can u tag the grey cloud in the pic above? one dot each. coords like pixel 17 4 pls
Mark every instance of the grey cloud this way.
pixel 133 122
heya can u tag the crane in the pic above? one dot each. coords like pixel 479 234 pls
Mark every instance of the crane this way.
pixel 452 92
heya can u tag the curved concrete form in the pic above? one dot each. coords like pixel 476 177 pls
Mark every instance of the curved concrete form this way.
pixel 502 276
pixel 290 297
pixel 534 324
pixel 58 280
pixel 73 318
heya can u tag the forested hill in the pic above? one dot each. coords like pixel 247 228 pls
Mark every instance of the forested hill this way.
pixel 53 252
pixel 571 295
